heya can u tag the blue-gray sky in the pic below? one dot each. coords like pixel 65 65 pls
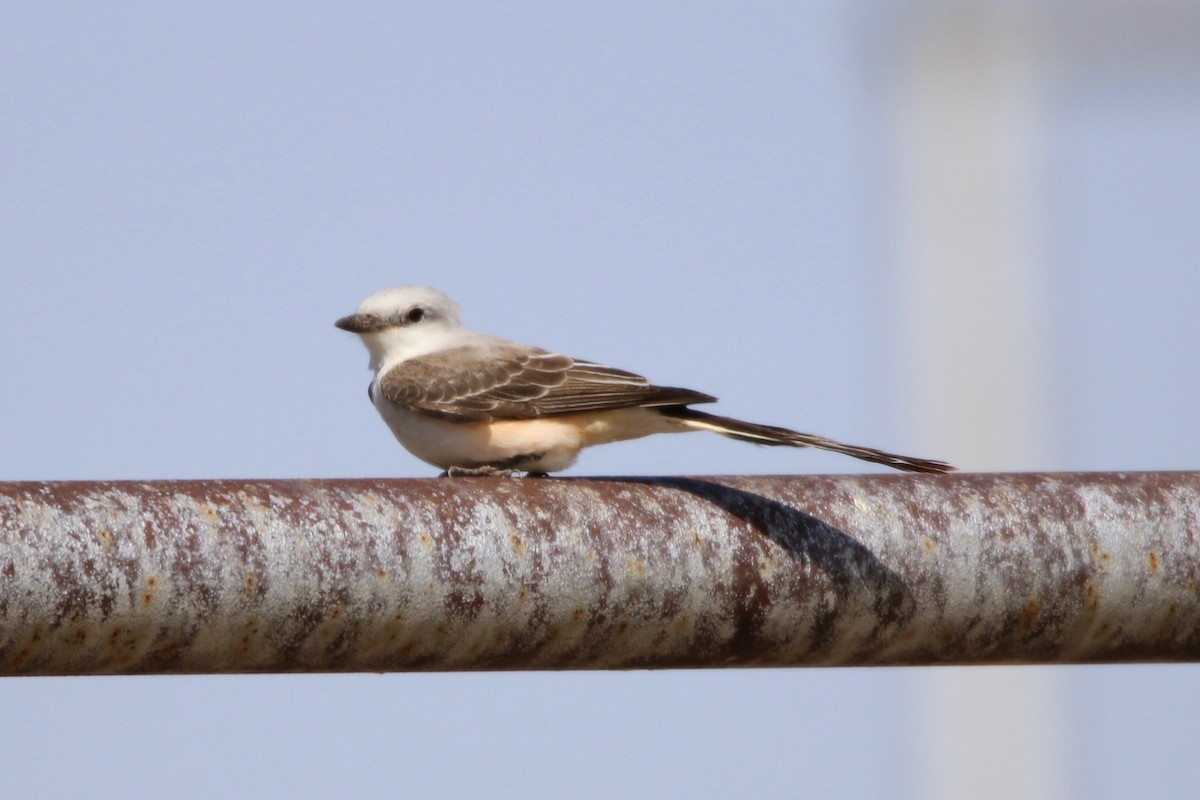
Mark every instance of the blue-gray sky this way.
pixel 190 196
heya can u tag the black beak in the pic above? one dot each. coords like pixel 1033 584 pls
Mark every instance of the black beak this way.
pixel 361 323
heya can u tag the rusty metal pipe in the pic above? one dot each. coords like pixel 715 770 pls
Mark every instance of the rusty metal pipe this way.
pixel 486 573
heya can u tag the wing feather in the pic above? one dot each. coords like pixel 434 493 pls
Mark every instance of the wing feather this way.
pixel 503 381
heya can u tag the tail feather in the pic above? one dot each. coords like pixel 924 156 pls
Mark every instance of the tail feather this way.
pixel 771 435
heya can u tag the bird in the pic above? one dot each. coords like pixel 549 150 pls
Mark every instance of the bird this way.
pixel 477 405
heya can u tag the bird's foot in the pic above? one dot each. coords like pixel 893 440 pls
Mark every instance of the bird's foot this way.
pixel 485 471
pixel 497 469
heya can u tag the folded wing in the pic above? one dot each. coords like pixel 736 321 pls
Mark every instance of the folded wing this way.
pixel 504 381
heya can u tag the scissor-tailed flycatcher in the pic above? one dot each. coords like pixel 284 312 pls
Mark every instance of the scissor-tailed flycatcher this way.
pixel 477 405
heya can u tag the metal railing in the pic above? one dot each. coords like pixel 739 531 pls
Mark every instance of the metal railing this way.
pixel 486 573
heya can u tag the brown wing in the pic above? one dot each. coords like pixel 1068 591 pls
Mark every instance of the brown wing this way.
pixel 501 381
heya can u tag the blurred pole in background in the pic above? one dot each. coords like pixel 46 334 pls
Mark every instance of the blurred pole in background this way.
pixel 965 82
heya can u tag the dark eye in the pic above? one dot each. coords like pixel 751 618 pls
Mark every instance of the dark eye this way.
pixel 414 315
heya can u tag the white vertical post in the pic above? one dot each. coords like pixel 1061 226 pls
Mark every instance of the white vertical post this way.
pixel 967 114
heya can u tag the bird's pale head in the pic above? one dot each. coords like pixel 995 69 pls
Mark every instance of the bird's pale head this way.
pixel 404 322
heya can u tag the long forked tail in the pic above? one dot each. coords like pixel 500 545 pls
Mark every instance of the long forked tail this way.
pixel 770 435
